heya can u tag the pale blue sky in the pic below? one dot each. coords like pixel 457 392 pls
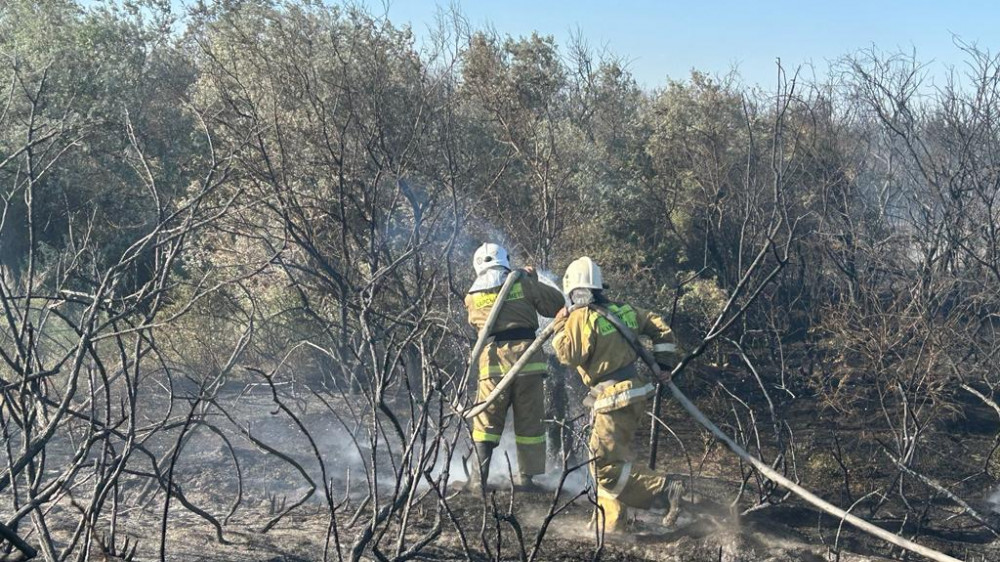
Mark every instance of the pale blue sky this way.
pixel 670 37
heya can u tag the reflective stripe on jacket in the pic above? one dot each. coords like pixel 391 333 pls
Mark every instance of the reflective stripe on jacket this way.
pixel 610 395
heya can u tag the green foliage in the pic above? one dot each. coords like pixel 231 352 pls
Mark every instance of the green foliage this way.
pixel 700 303
pixel 355 172
pixel 101 99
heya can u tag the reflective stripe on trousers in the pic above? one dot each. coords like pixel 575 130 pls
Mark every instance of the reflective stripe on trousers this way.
pixel 626 473
pixel 484 437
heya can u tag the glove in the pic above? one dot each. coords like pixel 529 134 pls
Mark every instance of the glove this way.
pixel 530 271
pixel 560 319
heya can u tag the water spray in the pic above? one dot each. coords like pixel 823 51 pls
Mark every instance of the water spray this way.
pixel 552 280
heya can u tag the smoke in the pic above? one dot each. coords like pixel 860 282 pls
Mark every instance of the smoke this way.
pixel 993 499
pixel 552 280
pixel 503 465
pixel 575 483
pixel 455 462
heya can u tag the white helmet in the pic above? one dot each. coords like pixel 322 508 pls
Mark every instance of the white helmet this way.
pixel 488 256
pixel 583 273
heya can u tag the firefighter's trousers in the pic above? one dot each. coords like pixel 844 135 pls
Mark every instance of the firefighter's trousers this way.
pixel 526 396
pixel 619 410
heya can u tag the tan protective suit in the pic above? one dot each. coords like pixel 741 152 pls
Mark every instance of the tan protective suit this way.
pixel 527 299
pixel 606 363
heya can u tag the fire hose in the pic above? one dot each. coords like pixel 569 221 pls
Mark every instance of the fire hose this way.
pixel 762 467
pixel 511 374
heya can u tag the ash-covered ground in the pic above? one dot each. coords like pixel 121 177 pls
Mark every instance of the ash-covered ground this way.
pixel 270 500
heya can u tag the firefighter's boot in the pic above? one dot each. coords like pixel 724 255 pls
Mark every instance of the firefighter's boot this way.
pixel 669 498
pixel 612 515
pixel 479 472
pixel 524 483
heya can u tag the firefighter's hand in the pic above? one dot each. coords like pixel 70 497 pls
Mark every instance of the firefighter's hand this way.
pixel 530 271
pixel 560 320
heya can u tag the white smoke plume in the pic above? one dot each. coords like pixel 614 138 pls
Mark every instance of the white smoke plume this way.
pixel 501 471
pixel 552 280
pixel 993 499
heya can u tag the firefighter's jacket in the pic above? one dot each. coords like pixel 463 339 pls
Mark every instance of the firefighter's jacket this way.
pixel 593 345
pixel 526 300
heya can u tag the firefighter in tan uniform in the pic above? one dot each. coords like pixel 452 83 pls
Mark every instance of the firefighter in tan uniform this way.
pixel 618 393
pixel 511 335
